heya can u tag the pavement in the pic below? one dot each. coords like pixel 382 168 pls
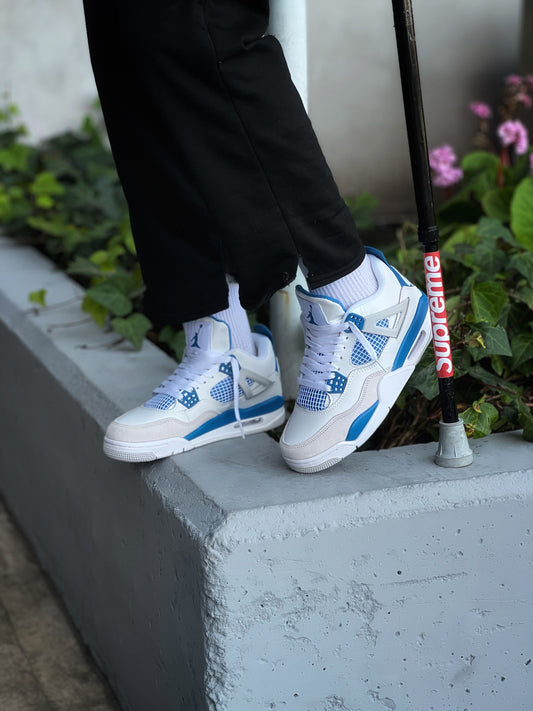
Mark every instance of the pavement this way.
pixel 44 664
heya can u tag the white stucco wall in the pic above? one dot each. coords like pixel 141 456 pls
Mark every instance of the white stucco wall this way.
pixel 465 48
pixel 44 63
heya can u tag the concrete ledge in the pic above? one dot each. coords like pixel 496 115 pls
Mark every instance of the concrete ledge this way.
pixel 220 580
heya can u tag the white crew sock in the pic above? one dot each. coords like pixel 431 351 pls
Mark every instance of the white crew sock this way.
pixel 236 318
pixel 353 287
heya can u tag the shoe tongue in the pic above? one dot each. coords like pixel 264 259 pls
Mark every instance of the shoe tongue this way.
pixel 319 310
pixel 208 334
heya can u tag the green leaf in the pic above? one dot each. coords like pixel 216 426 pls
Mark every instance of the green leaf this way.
pixel 97 311
pixel 452 309
pixel 45 202
pixel 526 422
pixel 497 364
pixel 458 211
pixel 488 300
pixel 72 238
pixel 124 282
pixel 525 294
pixel 174 338
pixel 460 245
pixel 479 418
pixel 8 112
pixel 497 203
pixel 362 208
pixel 70 235
pixel 481 184
pixel 127 237
pixel 81 266
pixel 489 260
pixel 425 380
pixel 478 161
pixel 515 173
pixel 38 297
pixel 137 283
pixel 493 229
pixel 522 213
pixel 45 183
pixel 490 379
pixel 496 340
pixel 89 127
pixel 106 259
pixel 15 157
pixel 522 347
pixel 523 263
pixel 54 227
pixel 111 298
pixel 134 328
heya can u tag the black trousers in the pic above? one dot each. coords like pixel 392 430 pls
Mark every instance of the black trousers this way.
pixel 221 168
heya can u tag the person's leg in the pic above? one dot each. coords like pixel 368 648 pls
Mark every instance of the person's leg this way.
pixel 223 127
pixel 183 262
pixel 178 252
pixel 216 153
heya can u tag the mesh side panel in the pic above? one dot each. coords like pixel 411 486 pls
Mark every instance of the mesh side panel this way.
pixel 359 355
pixel 311 399
pixel 223 391
pixel 160 402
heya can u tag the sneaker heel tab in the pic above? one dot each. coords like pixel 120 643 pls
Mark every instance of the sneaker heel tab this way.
pixel 300 290
pixel 377 253
pixel 263 330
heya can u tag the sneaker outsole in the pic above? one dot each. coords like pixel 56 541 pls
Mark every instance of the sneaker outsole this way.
pixel 150 451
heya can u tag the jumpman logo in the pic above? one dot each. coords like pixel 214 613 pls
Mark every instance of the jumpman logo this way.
pixel 195 343
pixel 310 317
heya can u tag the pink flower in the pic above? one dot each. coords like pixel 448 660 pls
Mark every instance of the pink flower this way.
pixel 513 80
pixel 529 80
pixel 524 99
pixel 441 160
pixel 514 133
pixel 481 110
pixel 447 177
pixel 441 157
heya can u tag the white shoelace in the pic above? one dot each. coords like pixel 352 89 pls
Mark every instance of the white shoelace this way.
pixel 194 369
pixel 323 346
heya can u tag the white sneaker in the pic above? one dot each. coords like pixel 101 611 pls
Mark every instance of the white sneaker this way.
pixel 215 393
pixel 355 364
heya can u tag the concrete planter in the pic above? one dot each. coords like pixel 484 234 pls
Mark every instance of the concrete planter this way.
pixel 221 580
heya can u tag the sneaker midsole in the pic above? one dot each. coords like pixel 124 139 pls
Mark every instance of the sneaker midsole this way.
pixel 155 449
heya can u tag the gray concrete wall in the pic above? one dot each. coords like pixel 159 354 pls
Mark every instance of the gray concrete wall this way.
pixel 465 49
pixel 219 580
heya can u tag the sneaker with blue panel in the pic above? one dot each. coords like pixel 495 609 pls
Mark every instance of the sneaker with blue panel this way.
pixel 356 362
pixel 215 393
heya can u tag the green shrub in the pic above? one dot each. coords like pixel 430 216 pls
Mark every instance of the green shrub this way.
pixel 486 232
pixel 65 197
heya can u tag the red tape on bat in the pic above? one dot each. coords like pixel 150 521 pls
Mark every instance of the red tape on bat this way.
pixel 439 321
